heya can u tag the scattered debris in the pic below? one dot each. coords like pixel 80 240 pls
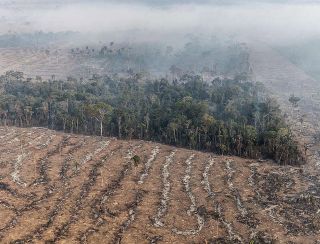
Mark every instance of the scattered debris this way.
pixel 162 209
pixel 193 207
pixel 285 196
pixel 148 164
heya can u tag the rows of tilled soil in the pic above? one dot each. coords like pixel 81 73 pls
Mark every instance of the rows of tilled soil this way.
pixel 62 188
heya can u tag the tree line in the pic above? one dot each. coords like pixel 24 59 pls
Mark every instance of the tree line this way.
pixel 226 116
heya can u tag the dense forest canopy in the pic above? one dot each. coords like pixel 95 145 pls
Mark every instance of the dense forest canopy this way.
pixel 226 116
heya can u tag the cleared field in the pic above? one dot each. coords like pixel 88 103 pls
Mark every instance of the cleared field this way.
pixel 47 62
pixel 62 188
pixel 282 78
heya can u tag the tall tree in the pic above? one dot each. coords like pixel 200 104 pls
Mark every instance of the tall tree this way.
pixel 99 111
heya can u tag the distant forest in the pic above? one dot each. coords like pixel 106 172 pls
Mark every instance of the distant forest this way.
pixel 230 116
pixel 209 56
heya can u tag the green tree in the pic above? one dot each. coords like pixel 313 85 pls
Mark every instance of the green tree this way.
pixel 99 111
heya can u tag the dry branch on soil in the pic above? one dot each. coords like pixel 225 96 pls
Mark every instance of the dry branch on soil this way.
pixel 17 164
pixel 88 157
pixel 148 164
pixel 162 209
pixel 245 216
pixel 193 206
pixel 283 194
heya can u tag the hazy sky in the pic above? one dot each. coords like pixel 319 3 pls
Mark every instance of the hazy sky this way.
pixel 262 19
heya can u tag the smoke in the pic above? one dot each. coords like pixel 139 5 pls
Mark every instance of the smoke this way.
pixel 269 22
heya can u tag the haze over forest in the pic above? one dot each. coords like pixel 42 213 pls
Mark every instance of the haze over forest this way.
pixel 271 21
pixel 149 121
pixel 160 121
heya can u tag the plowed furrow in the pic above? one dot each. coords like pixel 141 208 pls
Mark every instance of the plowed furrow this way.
pixel 63 230
pixel 70 176
pixel 245 217
pixel 19 148
pixel 193 203
pixel 148 165
pixel 100 206
pixel 89 190
pixel 166 187
pixel 132 211
pixel 222 228
pixel 224 206
pixel 65 178
pixel 6 188
pixel 40 229
pixel 43 199
pixel 142 229
pixel 42 165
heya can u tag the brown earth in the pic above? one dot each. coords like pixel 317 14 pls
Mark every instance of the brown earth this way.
pixel 63 188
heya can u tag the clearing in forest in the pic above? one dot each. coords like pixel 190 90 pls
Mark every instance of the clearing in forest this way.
pixel 78 189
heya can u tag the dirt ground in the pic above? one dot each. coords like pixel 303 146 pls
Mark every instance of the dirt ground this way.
pixel 282 79
pixel 62 188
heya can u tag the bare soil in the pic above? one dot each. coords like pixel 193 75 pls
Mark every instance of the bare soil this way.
pixel 77 189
